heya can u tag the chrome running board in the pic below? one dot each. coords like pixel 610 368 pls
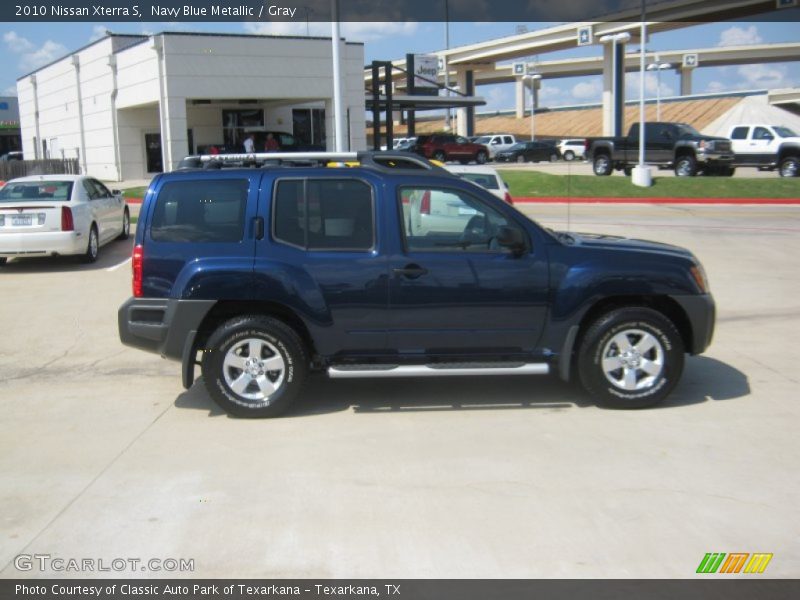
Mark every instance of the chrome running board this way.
pixel 436 370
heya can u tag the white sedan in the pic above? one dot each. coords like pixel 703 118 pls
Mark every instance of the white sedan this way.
pixel 49 215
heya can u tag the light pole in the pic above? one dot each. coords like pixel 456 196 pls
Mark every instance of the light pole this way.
pixel 533 77
pixel 448 115
pixel 614 39
pixel 658 67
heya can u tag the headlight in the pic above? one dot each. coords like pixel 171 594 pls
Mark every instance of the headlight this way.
pixel 700 278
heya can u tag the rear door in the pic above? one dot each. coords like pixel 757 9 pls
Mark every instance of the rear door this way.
pixel 199 239
pixel 321 256
pixel 110 209
pixel 761 146
pixel 740 144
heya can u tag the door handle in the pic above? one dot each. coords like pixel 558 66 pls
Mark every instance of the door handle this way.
pixel 411 271
pixel 258 228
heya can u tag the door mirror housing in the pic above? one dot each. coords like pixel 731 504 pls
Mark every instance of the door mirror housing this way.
pixel 511 238
pixel 116 192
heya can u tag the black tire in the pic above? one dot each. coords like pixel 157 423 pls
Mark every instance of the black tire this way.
pixel 276 340
pixel 440 156
pixel 628 171
pixel 789 167
pixel 728 171
pixel 553 157
pixel 602 165
pixel 126 226
pixel 640 327
pixel 685 166
pixel 569 155
pixel 520 159
pixel 464 161
pixel 481 158
pixel 92 246
pixel 3 260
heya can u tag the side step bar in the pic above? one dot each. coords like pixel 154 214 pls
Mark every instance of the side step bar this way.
pixel 436 370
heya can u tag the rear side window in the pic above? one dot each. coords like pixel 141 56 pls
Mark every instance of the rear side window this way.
pixel 200 211
pixel 324 214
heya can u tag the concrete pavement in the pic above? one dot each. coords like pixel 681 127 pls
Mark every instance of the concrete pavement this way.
pixel 103 455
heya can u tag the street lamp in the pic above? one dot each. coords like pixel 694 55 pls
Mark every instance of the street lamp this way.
pixel 658 67
pixel 533 77
pixel 614 39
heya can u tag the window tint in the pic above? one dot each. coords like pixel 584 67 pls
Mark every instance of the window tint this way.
pixel 91 190
pixel 507 140
pixel 324 214
pixel 200 211
pixel 101 189
pixel 446 220
pixel 36 190
pixel 739 133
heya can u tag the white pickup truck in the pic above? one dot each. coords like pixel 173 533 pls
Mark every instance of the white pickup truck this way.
pixel 768 147
pixel 496 142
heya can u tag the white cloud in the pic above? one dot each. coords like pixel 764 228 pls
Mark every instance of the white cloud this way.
pixel 17 43
pixel 651 85
pixel 98 31
pixel 354 31
pixel 587 90
pixel 10 90
pixel 497 98
pixel 740 36
pixel 31 57
pixel 764 76
pixel 716 86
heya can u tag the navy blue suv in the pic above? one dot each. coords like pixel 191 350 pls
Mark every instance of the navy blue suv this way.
pixel 390 266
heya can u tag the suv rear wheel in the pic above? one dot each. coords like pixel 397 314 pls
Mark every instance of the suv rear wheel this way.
pixel 254 366
pixel 630 358
pixel 440 156
pixel 789 167
pixel 481 157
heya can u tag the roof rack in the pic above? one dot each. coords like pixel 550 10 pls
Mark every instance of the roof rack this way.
pixel 378 160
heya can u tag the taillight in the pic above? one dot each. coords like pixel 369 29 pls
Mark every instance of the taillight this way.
pixel 425 203
pixel 67 223
pixel 138 259
pixel 509 199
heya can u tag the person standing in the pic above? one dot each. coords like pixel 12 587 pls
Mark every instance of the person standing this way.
pixel 249 144
pixel 271 144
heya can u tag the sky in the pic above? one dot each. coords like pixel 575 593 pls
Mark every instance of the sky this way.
pixel 28 46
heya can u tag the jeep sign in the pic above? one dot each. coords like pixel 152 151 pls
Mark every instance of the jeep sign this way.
pixel 426 69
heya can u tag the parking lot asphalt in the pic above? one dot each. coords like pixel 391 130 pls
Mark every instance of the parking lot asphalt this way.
pixel 103 455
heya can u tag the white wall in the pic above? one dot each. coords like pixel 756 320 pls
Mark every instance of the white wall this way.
pixel 152 90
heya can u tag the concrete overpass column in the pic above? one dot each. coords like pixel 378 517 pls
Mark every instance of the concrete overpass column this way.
pixel 520 96
pixel 686 81
pixel 466 116
pixel 613 79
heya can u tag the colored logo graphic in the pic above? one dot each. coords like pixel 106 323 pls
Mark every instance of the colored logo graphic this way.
pixel 735 562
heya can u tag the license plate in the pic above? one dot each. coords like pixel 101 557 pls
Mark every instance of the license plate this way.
pixel 21 220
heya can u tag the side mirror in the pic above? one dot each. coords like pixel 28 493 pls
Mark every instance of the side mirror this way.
pixel 116 192
pixel 511 238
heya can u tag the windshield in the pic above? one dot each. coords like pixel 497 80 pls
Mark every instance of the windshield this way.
pixel 784 131
pixel 485 180
pixel 36 190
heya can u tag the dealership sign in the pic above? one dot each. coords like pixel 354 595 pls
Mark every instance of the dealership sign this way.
pixel 426 69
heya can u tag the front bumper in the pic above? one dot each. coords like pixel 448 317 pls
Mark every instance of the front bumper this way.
pixel 45 243
pixel 715 158
pixel 701 311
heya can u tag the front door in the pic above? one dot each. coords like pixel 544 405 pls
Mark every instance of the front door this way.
pixel 153 157
pixel 452 290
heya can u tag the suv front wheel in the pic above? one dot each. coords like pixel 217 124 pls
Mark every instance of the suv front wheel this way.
pixel 630 358
pixel 254 366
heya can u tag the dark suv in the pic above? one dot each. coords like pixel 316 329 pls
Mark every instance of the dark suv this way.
pixel 445 147
pixel 396 268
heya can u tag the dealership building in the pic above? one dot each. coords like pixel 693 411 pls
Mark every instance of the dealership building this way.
pixel 127 106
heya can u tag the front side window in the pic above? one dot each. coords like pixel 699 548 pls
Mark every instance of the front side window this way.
pixel 324 214
pixel 761 133
pixel 448 220
pixel 200 211
pixel 739 133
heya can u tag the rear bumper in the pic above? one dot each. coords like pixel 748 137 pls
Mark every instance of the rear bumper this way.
pixel 44 243
pixel 701 312
pixel 164 326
